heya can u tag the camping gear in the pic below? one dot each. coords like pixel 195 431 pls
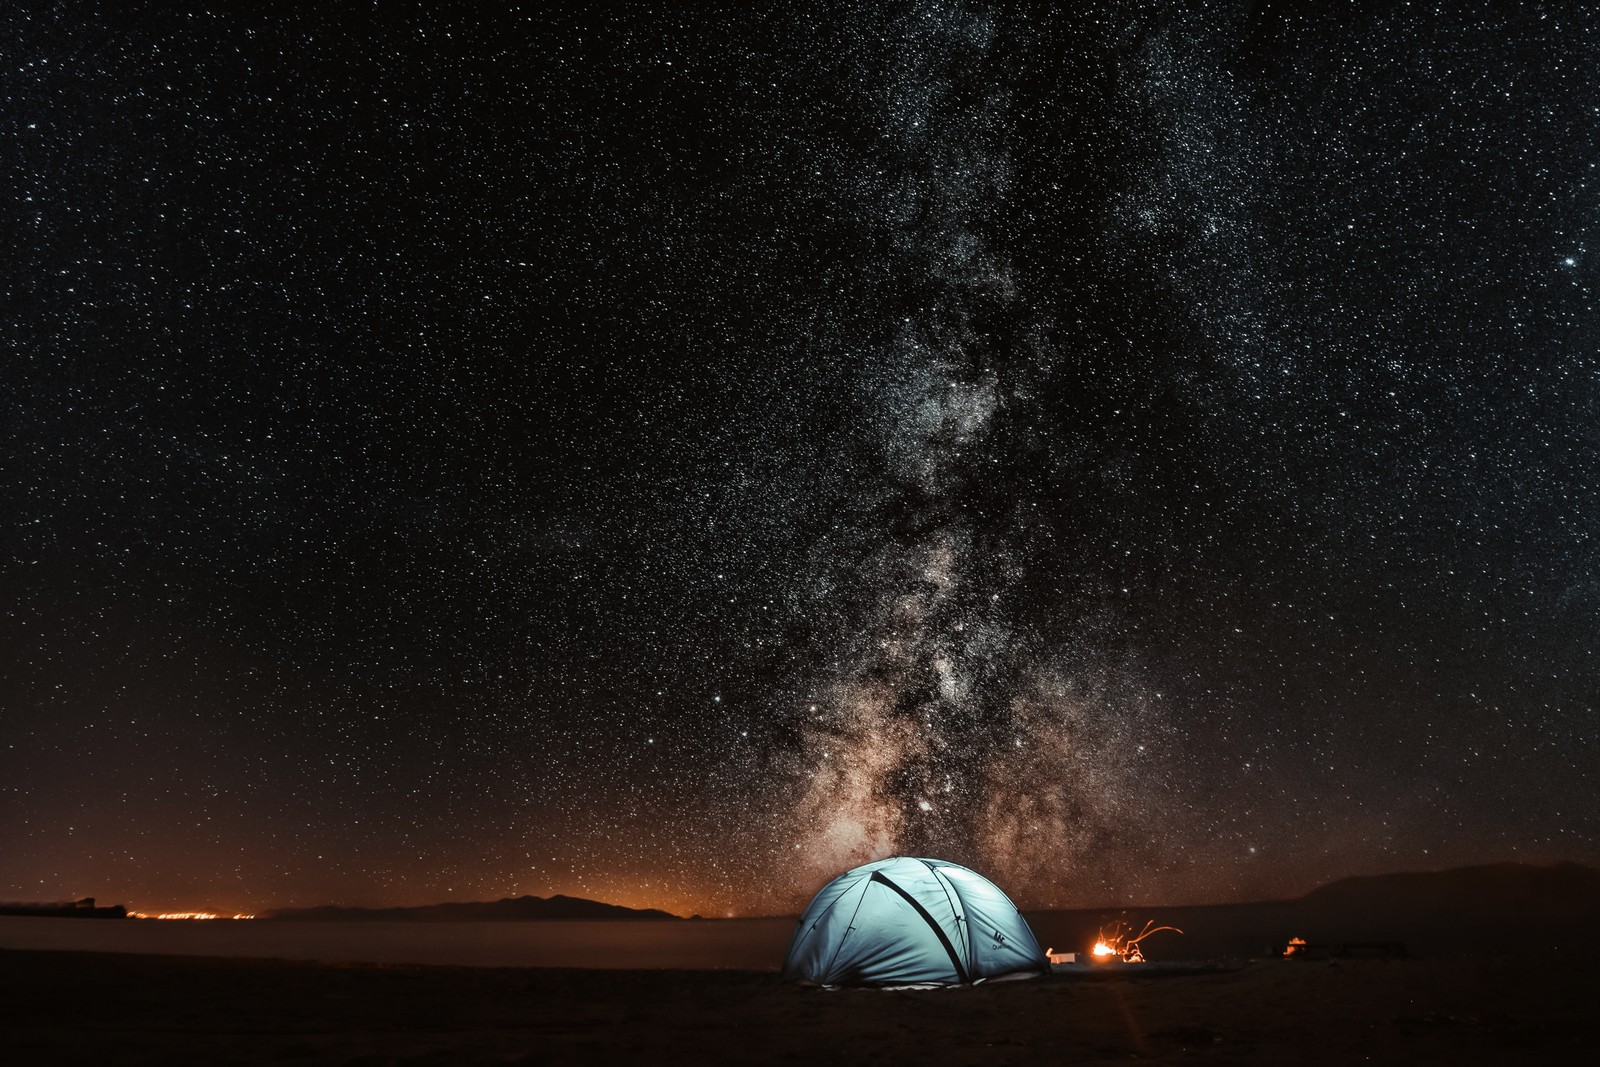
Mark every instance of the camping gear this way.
pixel 911 921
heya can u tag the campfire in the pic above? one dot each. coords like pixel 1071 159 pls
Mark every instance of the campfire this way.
pixel 1118 941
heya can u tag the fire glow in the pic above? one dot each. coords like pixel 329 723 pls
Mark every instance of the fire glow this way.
pixel 1119 942
pixel 185 915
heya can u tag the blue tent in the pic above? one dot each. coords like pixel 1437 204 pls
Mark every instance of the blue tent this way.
pixel 911 921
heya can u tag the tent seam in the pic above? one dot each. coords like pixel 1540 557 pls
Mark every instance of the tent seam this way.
pixel 963 927
pixel 831 905
pixel 962 975
pixel 866 885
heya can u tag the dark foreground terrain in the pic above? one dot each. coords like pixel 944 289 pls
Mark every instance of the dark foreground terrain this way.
pixel 69 1007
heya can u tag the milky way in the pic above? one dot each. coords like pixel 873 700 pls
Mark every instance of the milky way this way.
pixel 949 728
pixel 668 455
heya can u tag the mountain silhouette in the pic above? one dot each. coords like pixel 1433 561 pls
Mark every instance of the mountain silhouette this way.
pixel 509 909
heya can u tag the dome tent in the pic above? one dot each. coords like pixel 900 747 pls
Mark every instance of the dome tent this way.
pixel 910 921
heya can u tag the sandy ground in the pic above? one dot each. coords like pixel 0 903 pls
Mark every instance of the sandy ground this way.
pixel 71 1007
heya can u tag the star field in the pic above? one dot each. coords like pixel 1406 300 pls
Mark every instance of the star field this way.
pixel 1145 453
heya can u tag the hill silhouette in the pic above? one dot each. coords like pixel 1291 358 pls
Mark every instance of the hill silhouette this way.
pixel 1495 887
pixel 1501 908
pixel 508 909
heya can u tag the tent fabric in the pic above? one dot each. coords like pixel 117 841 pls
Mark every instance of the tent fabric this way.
pixel 911 921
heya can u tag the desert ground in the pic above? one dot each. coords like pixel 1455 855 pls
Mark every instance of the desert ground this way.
pixel 101 1008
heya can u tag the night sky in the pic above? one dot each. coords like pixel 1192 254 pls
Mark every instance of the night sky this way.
pixel 671 454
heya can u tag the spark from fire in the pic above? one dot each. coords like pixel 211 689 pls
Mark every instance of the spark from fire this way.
pixel 1118 940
